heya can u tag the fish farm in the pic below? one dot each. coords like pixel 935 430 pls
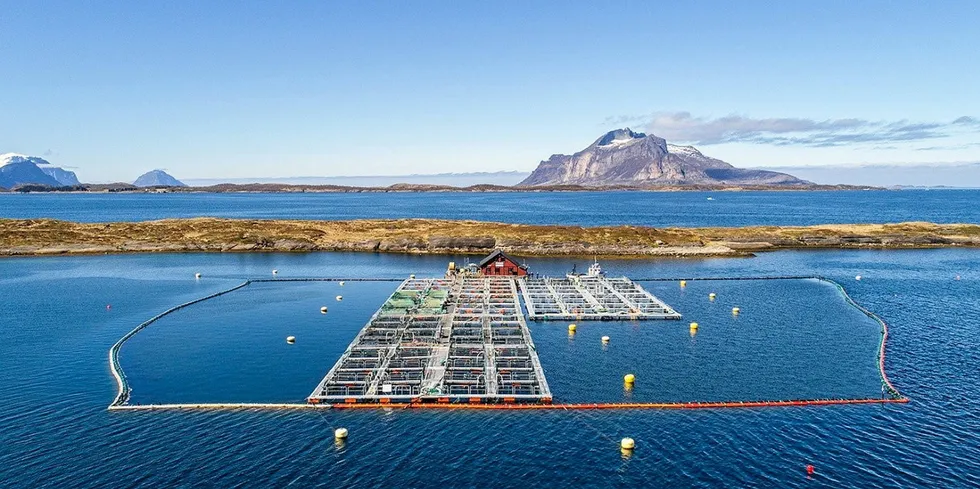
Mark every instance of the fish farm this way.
pixel 462 341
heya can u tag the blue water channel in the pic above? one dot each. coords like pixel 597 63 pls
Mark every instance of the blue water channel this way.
pixel 568 208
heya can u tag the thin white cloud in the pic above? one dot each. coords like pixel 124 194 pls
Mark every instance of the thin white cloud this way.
pixel 793 131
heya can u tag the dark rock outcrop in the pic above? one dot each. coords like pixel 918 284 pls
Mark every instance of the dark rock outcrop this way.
pixel 462 242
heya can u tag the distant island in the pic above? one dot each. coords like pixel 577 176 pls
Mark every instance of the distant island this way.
pixel 624 157
pixel 157 178
pixel 53 237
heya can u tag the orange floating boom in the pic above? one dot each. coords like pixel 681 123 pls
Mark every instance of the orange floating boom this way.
pixel 627 405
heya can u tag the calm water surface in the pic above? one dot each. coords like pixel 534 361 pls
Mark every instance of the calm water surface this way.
pixel 577 208
pixel 55 431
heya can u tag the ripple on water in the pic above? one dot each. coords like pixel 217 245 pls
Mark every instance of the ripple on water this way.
pixel 54 429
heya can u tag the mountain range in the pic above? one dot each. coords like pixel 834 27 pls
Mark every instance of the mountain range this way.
pixel 624 157
pixel 17 169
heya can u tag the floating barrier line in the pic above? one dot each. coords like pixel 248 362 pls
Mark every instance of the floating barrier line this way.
pixel 885 381
pixel 326 279
pixel 122 397
pixel 509 407
pixel 628 405
pixel 892 390
pixel 691 279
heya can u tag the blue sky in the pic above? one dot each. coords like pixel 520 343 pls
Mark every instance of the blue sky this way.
pixel 236 89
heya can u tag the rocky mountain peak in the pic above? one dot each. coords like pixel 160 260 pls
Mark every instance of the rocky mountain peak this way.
pixel 625 157
pixel 157 178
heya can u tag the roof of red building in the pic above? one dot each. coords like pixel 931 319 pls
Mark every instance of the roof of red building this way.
pixel 497 253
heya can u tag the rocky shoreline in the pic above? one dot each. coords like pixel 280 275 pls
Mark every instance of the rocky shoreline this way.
pixel 38 237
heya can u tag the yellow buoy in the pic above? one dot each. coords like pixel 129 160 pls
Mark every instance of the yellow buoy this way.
pixel 735 310
pixel 627 444
pixel 711 296
pixel 605 339
pixel 197 275
pixel 340 433
pixel 683 283
pixel 694 325
pixel 629 378
pixel 340 297
pixel 571 328
pixel 323 310
pixel 290 339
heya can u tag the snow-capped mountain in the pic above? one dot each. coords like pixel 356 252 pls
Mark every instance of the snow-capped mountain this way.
pixel 157 178
pixel 17 169
pixel 624 157
pixel 64 177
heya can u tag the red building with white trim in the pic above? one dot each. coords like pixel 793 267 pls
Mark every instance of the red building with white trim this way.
pixel 499 263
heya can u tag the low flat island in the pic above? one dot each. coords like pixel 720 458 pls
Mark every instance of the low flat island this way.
pixel 31 237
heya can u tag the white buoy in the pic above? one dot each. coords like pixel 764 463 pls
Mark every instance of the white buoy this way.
pixel 340 297
pixel 197 275
pixel 340 433
pixel 957 277
pixel 412 276
pixel 711 296
pixel 857 278
pixel 341 283
pixel 290 339
pixel 605 339
pixel 627 444
pixel 323 310
pixel 274 272
pixel 736 310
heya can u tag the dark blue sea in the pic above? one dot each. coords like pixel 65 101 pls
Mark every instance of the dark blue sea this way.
pixel 793 339
pixel 574 208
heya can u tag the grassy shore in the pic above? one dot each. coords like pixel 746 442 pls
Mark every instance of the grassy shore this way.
pixel 53 237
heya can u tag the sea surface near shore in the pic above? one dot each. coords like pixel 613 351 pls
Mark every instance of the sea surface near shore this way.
pixel 642 208
pixel 56 329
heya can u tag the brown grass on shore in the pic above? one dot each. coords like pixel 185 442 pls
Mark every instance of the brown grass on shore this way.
pixel 46 236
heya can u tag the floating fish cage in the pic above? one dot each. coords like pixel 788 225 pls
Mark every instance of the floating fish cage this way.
pixel 589 297
pixel 460 340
